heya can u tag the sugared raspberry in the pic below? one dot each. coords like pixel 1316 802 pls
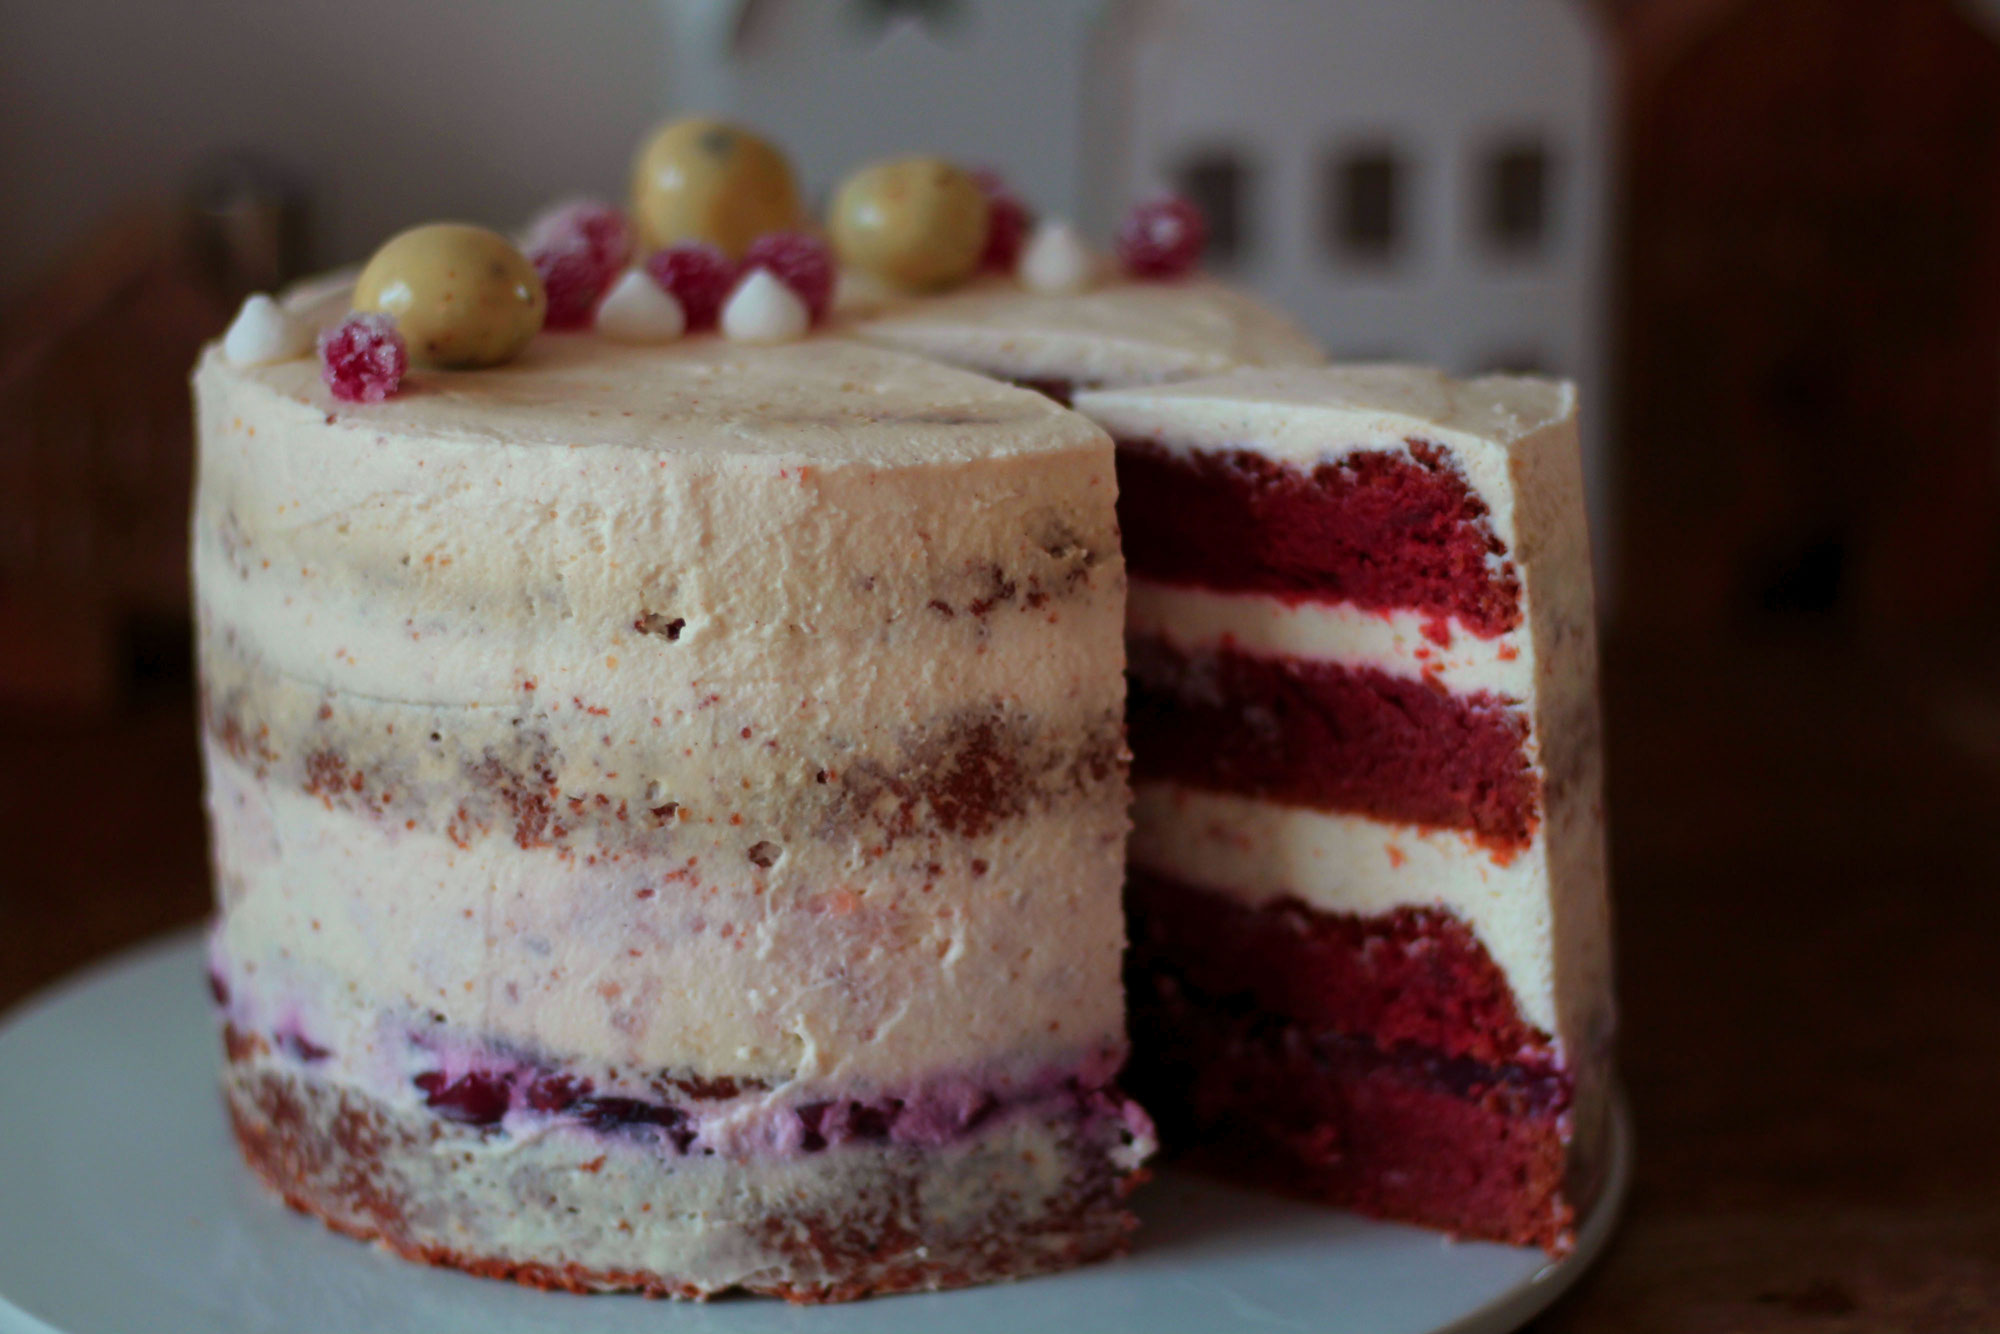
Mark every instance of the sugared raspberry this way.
pixel 1007 223
pixel 700 277
pixel 1162 238
pixel 800 262
pixel 363 358
pixel 579 249
pixel 585 223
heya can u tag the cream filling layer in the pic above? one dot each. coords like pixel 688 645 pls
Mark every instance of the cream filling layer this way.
pixel 1392 642
pixel 1258 851
pixel 823 970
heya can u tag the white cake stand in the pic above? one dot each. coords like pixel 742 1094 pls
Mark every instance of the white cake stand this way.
pixel 123 1207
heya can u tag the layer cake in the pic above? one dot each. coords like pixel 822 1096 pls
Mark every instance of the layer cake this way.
pixel 668 809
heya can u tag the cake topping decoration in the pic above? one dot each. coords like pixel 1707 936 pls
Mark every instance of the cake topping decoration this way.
pixel 918 222
pixel 1007 223
pixel 263 333
pixel 638 310
pixel 800 262
pixel 579 248
pixel 765 310
pixel 1056 260
pixel 707 180
pixel 363 359
pixel 1162 238
pixel 699 276
pixel 462 296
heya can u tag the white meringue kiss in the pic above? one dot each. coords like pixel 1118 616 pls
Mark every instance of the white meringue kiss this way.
pixel 263 333
pixel 763 310
pixel 639 310
pixel 1056 260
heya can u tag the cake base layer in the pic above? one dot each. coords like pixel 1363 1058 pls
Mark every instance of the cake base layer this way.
pixel 1352 1061
pixel 591 1213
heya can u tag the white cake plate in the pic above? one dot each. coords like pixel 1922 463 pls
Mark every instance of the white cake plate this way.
pixel 123 1207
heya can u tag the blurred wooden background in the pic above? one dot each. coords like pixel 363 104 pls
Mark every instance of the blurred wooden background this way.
pixel 1803 683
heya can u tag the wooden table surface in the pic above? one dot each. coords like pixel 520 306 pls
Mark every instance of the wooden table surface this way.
pixel 1806 856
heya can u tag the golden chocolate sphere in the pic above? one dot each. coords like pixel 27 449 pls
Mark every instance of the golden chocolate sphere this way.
pixel 707 180
pixel 461 296
pixel 918 222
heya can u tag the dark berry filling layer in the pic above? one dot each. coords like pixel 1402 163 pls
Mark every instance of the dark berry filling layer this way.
pixel 1383 530
pixel 1331 737
pixel 1378 1063
pixel 678 1112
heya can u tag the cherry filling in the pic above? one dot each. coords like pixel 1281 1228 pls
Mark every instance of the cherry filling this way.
pixel 484 1097
pixel 478 1098
pixel 1332 737
pixel 1381 529
pixel 934 1115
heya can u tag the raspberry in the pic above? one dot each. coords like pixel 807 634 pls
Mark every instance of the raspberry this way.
pixel 579 249
pixel 800 262
pixel 363 359
pixel 700 278
pixel 1162 238
pixel 1007 223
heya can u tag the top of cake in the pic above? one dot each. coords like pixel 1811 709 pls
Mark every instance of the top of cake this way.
pixel 820 400
pixel 915 254
pixel 1310 413
pixel 1121 333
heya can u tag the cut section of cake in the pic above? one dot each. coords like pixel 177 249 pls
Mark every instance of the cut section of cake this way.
pixel 1370 931
pixel 668 809
pixel 1116 335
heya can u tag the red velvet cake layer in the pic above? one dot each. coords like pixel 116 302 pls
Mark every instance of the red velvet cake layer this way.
pixel 1416 977
pixel 1375 1063
pixel 1332 737
pixel 1383 530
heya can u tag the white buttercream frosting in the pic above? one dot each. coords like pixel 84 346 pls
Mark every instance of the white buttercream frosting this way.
pixel 654 706
pixel 1397 643
pixel 1122 333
